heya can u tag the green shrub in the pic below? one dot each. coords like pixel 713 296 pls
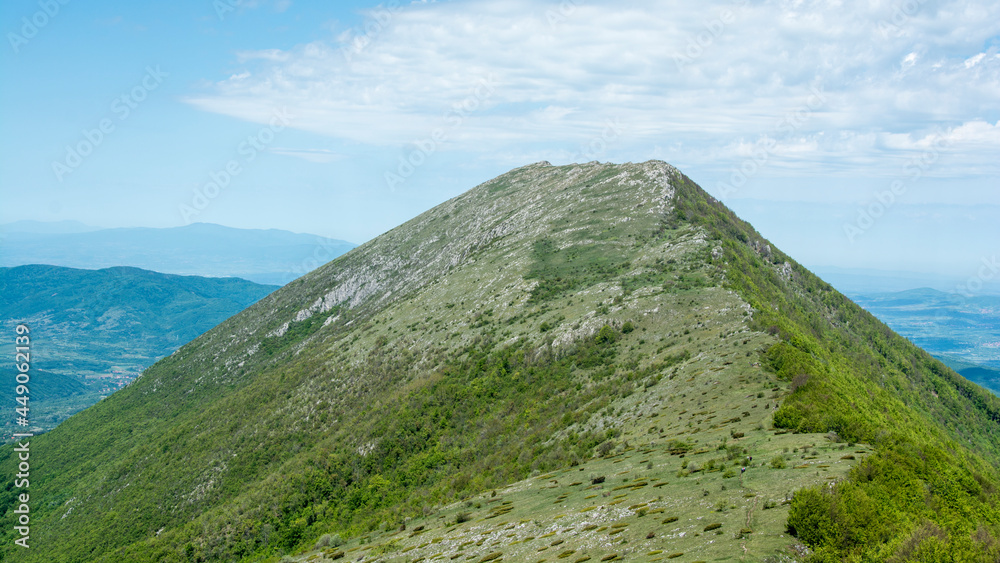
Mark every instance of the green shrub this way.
pixel 809 518
pixel 787 417
pixel 606 335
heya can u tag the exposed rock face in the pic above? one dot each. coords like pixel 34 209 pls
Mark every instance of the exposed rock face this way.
pixel 502 215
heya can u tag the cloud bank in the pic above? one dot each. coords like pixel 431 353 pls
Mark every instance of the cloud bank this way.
pixel 829 86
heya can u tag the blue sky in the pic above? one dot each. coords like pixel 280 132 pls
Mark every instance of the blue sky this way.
pixel 851 134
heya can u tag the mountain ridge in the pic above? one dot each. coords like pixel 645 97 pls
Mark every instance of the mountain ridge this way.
pixel 530 324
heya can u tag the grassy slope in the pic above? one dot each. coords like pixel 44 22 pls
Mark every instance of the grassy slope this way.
pixel 464 351
pixel 929 493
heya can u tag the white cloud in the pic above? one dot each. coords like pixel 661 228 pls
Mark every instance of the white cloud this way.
pixel 976 132
pixel 971 61
pixel 967 134
pixel 700 78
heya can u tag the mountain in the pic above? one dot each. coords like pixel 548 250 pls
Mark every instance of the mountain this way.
pixel 93 332
pixel 264 256
pixel 590 362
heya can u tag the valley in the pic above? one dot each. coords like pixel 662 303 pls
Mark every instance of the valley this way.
pixel 95 331
pixel 962 330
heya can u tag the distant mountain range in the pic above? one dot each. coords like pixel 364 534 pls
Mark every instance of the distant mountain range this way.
pixel 263 256
pixel 867 281
pixel 94 331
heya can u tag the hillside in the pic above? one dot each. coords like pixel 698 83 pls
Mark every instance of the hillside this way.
pixel 270 256
pixel 988 378
pixel 94 331
pixel 951 326
pixel 587 362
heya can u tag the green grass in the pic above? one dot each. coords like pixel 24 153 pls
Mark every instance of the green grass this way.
pixel 867 383
pixel 426 375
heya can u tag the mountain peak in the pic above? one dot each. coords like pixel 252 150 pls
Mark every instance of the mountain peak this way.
pixel 504 214
pixel 599 352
